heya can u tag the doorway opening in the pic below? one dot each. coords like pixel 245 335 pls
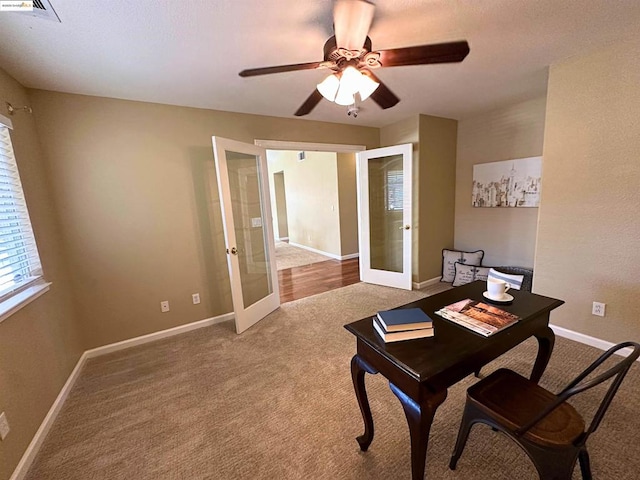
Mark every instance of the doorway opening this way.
pixel 313 190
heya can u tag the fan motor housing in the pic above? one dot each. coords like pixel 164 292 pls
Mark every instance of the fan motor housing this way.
pixel 334 54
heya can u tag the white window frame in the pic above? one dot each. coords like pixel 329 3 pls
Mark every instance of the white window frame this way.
pixel 18 295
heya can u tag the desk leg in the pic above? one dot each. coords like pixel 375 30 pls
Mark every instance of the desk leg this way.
pixel 358 368
pixel 419 417
pixel 546 339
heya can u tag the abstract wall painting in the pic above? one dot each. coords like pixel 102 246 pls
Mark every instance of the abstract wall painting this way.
pixel 510 183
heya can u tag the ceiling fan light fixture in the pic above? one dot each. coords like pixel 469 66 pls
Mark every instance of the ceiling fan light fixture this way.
pixel 367 86
pixel 328 88
pixel 344 97
pixel 350 80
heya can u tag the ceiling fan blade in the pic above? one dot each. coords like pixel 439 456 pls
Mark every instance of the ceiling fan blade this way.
pixel 351 22
pixel 382 95
pixel 451 52
pixel 252 72
pixel 309 104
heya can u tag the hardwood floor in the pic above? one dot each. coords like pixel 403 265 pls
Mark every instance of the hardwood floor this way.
pixel 300 282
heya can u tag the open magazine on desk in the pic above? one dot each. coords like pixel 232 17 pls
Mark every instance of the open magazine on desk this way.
pixel 477 316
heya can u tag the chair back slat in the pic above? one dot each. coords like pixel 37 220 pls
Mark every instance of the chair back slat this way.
pixel 579 385
pixel 625 366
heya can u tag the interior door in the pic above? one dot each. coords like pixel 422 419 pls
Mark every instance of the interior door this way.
pixel 384 215
pixel 246 212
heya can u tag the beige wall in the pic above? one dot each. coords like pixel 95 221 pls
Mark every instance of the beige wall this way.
pixel 312 196
pixel 136 186
pixel 589 224
pixel 507 235
pixel 40 344
pixel 136 189
pixel 434 160
pixel 279 206
pixel 437 192
pixel 348 203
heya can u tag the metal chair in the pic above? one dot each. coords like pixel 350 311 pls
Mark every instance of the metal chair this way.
pixel 550 431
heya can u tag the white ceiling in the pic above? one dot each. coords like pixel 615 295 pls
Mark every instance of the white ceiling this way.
pixel 189 52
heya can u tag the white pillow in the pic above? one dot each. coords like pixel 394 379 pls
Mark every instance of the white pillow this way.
pixel 450 257
pixel 469 273
pixel 514 281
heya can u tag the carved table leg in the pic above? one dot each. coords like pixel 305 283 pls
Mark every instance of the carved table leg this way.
pixel 419 417
pixel 546 339
pixel 358 368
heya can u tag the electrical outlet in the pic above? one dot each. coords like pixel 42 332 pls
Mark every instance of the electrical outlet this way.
pixel 164 306
pixel 196 298
pixel 598 309
pixel 4 426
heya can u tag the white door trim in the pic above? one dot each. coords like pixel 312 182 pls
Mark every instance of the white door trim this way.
pixel 308 147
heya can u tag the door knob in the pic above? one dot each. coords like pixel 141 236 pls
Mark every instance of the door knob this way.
pixel 233 251
pixel 406 227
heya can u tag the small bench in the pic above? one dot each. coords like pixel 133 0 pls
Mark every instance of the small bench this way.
pixel 527 281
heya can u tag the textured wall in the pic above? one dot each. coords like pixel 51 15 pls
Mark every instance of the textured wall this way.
pixel 39 344
pixel 348 198
pixel 437 192
pixel 135 186
pixel 507 235
pixel 589 224
pixel 312 197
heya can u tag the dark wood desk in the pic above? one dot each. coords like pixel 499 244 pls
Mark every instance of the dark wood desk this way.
pixel 420 371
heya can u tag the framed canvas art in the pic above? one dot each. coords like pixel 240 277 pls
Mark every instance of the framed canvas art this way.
pixel 510 183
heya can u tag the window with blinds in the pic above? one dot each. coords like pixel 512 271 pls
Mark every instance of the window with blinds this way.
pixel 19 260
pixel 394 190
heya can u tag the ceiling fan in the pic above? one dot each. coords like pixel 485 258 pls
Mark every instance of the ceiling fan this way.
pixel 349 56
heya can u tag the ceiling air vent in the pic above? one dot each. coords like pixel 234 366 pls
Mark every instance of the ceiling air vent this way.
pixel 43 9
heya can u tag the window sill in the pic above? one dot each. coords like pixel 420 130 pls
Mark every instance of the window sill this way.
pixel 22 299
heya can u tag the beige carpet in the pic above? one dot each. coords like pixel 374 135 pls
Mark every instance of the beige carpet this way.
pixel 277 403
pixel 289 256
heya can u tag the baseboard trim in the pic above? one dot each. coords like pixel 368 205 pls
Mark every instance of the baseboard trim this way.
pixel 36 442
pixel 588 340
pixel 426 283
pixel 350 256
pixel 151 337
pixel 32 450
pixel 326 254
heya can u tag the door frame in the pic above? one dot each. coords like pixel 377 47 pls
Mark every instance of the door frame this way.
pixel 322 147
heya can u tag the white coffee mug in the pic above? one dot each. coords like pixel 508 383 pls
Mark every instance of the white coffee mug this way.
pixel 497 288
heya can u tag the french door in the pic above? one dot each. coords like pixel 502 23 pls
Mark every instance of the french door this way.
pixel 243 185
pixel 384 215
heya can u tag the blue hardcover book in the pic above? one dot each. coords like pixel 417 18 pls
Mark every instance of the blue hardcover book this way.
pixel 401 319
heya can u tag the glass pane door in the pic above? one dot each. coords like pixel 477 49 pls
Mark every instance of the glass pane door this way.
pixel 242 182
pixel 384 202
pixel 385 213
pixel 248 215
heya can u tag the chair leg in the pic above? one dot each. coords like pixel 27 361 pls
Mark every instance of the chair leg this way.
pixel 585 465
pixel 463 435
pixel 556 465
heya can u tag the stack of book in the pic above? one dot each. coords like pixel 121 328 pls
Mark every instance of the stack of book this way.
pixel 402 324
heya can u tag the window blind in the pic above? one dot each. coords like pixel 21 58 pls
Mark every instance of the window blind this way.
pixel 19 260
pixel 394 189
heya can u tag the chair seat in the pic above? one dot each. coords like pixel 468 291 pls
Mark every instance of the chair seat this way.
pixel 515 400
